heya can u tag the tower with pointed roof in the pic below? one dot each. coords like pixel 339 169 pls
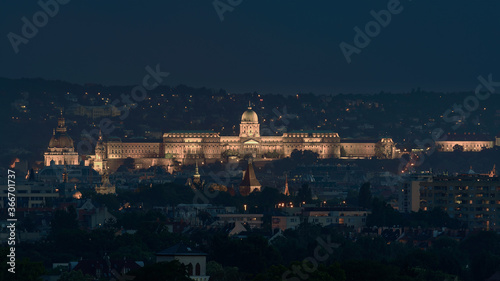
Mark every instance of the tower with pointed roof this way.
pixel 493 172
pixel 196 176
pixel 249 183
pixel 286 191
pixel 100 155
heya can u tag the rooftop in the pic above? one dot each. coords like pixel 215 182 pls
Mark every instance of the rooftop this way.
pixel 191 131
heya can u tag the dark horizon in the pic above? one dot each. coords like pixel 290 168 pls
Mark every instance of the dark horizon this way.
pixel 281 48
pixel 169 85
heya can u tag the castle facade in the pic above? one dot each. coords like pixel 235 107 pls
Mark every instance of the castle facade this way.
pixel 186 147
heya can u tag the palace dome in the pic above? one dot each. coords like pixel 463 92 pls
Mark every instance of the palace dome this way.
pixel 61 140
pixel 249 116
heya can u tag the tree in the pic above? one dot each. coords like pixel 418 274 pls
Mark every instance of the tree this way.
pixel 65 219
pixel 24 269
pixel 229 152
pixel 304 194
pixel 304 156
pixel 296 155
pixel 458 148
pixel 365 196
pixel 75 275
pixel 309 157
pixel 383 215
pixel 219 273
pixel 272 154
pixel 129 163
pixel 162 271
pixel 343 153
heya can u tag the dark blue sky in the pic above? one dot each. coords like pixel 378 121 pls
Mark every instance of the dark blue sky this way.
pixel 283 46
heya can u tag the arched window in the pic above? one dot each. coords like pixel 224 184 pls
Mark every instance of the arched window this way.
pixel 198 269
pixel 190 269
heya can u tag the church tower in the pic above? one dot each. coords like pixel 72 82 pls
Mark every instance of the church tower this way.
pixel 249 126
pixel 106 187
pixel 100 155
pixel 249 182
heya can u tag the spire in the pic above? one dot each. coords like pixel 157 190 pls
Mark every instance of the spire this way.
pixel 196 177
pixel 65 175
pixel 249 182
pixel 286 192
pixel 493 172
pixel 471 172
pixel 249 105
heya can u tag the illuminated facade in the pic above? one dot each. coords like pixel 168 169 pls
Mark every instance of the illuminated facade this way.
pixel 61 150
pixel 472 198
pixel 466 142
pixel 188 146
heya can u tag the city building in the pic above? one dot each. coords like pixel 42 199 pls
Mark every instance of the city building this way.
pixel 466 142
pixel 285 222
pixel 29 194
pixel 472 198
pixel 186 147
pixel 324 216
pixel 252 220
pixel 409 197
pixel 344 216
pixel 91 216
pixel 195 260
pixel 61 150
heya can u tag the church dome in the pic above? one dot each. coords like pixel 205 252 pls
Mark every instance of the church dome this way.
pixel 249 116
pixel 59 140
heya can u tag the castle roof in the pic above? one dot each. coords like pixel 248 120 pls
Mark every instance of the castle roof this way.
pixel 467 137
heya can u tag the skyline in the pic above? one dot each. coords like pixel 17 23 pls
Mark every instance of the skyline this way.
pixel 257 47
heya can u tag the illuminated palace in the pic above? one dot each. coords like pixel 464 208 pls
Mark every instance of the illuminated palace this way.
pixel 187 146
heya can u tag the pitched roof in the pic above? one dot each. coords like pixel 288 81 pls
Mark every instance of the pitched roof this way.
pixel 191 131
pixel 250 179
pixel 311 132
pixel 180 249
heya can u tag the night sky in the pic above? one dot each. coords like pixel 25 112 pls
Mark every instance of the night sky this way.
pixel 284 46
